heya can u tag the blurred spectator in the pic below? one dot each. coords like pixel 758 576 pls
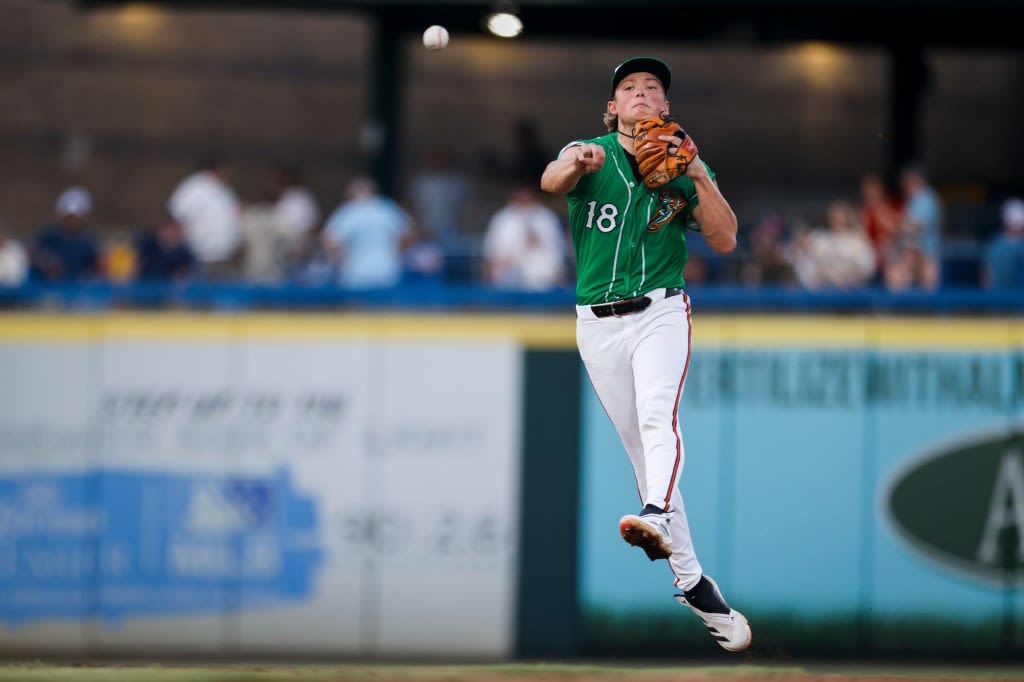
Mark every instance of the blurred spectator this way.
pixel 524 245
pixel 317 264
pixel 13 262
pixel 838 256
pixel 913 259
pixel 1003 266
pixel 439 195
pixel 702 264
pixel 424 260
pixel 163 254
pixel 768 265
pixel 276 230
pixel 64 250
pixel 262 253
pixel 295 213
pixel 208 210
pixel 368 233
pixel 119 259
pixel 881 213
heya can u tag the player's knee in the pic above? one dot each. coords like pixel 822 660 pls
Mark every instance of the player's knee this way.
pixel 655 421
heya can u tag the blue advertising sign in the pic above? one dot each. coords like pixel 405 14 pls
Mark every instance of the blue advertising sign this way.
pixel 112 544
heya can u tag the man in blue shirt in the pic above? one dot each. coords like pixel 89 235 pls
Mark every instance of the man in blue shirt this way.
pixel 63 250
pixel 1004 257
pixel 914 256
pixel 370 232
pixel 163 253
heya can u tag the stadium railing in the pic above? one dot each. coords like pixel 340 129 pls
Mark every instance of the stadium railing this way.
pixel 458 298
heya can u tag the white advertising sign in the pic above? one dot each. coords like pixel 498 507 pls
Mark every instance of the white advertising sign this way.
pixel 351 496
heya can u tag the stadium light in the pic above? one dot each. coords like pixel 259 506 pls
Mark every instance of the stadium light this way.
pixel 504 22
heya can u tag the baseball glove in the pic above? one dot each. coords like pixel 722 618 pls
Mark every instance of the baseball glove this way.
pixel 661 161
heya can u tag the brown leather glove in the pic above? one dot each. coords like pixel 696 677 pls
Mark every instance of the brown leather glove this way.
pixel 660 160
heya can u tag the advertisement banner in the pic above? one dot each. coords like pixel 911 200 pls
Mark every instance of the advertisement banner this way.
pixel 847 499
pixel 247 493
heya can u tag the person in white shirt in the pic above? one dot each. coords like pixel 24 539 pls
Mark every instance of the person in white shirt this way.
pixel 836 256
pixel 208 209
pixel 524 246
pixel 13 262
pixel 296 213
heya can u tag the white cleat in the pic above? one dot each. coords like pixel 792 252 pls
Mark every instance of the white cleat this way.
pixel 730 630
pixel 649 532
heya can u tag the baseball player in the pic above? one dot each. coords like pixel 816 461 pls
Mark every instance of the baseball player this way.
pixel 628 220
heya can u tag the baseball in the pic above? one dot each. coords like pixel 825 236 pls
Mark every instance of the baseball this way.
pixel 435 37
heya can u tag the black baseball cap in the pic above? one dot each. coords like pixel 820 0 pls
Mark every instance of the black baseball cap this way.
pixel 646 64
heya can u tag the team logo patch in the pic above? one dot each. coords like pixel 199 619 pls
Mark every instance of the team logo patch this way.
pixel 670 203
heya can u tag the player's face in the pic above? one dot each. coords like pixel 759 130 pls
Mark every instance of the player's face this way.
pixel 639 95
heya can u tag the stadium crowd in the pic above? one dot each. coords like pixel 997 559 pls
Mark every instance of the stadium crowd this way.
pixel 889 238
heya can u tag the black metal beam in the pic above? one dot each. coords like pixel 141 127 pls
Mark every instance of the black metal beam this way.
pixel 387 76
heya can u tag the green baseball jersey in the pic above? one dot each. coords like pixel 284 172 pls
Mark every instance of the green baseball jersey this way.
pixel 628 239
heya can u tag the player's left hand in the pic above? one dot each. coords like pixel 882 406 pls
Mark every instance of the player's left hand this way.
pixel 694 169
pixel 663 150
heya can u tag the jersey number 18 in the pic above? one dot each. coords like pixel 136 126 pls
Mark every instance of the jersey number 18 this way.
pixel 605 219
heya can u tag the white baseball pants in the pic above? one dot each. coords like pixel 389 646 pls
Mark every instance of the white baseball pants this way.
pixel 637 364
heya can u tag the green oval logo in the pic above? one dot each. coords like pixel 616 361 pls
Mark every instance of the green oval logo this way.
pixel 963 505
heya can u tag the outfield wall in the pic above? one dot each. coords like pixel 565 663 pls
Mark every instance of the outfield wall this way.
pixel 404 485
pixel 256 485
pixel 855 485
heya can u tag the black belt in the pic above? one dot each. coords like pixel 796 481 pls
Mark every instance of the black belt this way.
pixel 629 305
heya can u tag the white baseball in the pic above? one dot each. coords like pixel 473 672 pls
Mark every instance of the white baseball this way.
pixel 435 37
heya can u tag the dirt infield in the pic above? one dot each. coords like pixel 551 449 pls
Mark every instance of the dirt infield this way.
pixel 41 672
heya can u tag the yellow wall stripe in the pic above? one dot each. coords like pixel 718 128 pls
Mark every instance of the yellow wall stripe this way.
pixel 532 330
pixel 961 333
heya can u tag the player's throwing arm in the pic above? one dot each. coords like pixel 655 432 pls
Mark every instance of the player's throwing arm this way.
pixel 575 161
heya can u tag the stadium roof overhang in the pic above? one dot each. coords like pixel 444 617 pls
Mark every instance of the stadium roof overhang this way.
pixel 975 24
pixel 905 29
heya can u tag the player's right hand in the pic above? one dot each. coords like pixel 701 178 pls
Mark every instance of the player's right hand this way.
pixel 587 157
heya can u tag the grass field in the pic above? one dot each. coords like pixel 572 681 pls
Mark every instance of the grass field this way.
pixel 42 672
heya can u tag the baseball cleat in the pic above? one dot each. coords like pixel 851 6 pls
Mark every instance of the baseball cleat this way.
pixel 648 530
pixel 727 625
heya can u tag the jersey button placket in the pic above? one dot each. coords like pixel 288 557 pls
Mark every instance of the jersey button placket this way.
pixel 635 236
